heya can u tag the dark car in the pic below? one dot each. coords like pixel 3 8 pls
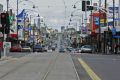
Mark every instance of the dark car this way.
pixel 53 48
pixel 61 50
pixel 37 48
pixel 69 49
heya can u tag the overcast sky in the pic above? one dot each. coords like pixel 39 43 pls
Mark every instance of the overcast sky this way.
pixel 52 10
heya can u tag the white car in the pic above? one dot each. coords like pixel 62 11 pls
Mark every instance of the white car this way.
pixel 26 49
pixel 86 49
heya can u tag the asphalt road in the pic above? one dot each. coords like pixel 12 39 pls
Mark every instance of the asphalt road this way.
pixel 97 67
pixel 37 66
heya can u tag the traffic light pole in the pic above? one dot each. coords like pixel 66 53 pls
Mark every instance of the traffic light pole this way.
pixel 5 51
pixel 4 40
pixel 7 5
pixel 5 35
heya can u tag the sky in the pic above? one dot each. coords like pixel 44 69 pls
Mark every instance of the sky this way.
pixel 56 13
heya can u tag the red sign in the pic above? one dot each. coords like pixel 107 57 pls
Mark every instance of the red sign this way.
pixel 95 16
pixel 1 44
pixel 13 35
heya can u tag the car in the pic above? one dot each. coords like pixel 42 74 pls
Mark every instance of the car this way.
pixel 61 50
pixel 87 49
pixel 16 48
pixel 44 49
pixel 69 49
pixel 78 50
pixel 53 48
pixel 37 48
pixel 26 49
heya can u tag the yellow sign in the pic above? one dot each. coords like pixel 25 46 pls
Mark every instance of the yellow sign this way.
pixel 102 21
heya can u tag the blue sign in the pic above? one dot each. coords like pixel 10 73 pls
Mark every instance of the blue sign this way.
pixel 117 19
pixel 115 8
pixel 96 20
pixel 114 31
pixel 19 27
pixel 116 36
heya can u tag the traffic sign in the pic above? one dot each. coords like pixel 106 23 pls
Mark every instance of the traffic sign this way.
pixel 7 44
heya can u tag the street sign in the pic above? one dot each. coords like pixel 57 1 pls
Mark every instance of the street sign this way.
pixel 7 44
pixel 114 31
pixel 96 20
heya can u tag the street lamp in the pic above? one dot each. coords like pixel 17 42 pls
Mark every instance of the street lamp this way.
pixel 74 6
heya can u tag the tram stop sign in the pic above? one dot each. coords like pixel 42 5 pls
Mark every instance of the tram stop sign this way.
pixel 7 44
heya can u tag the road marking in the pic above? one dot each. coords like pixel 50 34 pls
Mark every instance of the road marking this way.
pixel 88 70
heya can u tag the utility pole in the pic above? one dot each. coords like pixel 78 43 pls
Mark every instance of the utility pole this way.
pixel 105 18
pixel 113 13
pixel 91 25
pixel 24 29
pixel 85 13
pixel 113 25
pixel 119 13
pixel 34 34
pixel 17 22
pixel 99 34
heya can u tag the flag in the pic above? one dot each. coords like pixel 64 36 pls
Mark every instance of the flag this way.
pixel 21 15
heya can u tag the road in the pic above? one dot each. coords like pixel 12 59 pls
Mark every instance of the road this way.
pixel 60 66
pixel 97 67
pixel 39 66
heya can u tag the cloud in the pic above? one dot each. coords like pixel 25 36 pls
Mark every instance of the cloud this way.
pixel 56 21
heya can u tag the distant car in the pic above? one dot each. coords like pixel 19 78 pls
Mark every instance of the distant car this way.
pixel 26 49
pixel 61 50
pixel 87 49
pixel 53 48
pixel 16 48
pixel 44 49
pixel 78 50
pixel 37 48
pixel 69 49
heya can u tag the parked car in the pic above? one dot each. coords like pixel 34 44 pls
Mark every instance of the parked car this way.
pixel 87 49
pixel 61 50
pixel 16 48
pixel 53 48
pixel 44 49
pixel 26 49
pixel 78 50
pixel 69 49
pixel 37 48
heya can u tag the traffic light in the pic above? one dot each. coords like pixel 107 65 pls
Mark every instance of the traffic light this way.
pixel 3 18
pixel 5 23
pixel 2 29
pixel 7 26
pixel 86 6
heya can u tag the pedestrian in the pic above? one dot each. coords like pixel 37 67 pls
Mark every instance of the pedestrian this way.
pixel 116 47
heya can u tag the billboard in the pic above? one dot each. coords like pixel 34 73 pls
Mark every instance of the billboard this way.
pixel 98 19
